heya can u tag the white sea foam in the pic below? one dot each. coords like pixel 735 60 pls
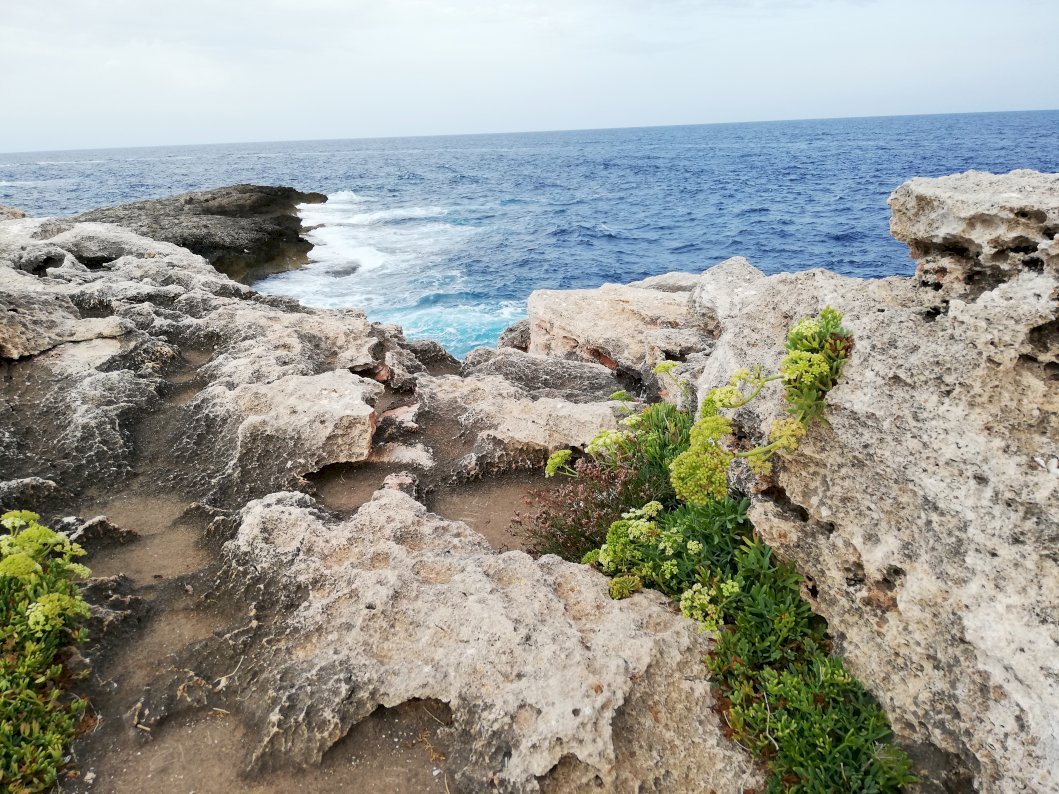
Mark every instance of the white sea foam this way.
pixel 396 214
pixel 398 263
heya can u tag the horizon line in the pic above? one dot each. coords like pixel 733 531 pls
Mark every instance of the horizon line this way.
pixel 531 132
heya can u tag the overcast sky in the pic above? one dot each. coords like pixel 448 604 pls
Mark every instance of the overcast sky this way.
pixel 95 73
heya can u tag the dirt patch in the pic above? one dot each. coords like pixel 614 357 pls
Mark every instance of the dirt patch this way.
pixel 167 547
pixel 488 506
pixel 344 487
pixel 399 750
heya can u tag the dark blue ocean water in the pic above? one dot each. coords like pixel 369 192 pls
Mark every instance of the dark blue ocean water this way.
pixel 448 235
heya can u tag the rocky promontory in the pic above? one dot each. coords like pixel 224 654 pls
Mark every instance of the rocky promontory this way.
pixel 300 551
pixel 245 231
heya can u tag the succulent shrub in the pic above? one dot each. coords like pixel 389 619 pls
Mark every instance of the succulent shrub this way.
pixel 41 611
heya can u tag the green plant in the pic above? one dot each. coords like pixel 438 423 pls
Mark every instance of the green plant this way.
pixel 786 699
pixel 817 349
pixel 41 610
pixel 625 469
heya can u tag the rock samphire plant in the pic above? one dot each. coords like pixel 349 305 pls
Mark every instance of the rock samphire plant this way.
pixel 783 696
pixel 41 611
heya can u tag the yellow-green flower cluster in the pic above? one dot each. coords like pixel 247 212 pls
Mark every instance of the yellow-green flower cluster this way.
pixel 700 474
pixel 41 608
pixel 706 604
pixel 624 586
pixel 52 611
pixel 665 367
pixel 607 444
pixel 557 463
pixel 804 368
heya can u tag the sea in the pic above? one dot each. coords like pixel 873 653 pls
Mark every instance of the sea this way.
pixel 447 236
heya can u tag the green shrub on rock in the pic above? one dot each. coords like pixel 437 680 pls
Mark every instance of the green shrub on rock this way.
pixel 623 470
pixel 41 610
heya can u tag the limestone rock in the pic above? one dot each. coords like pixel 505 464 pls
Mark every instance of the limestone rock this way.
pixel 510 428
pixel 544 674
pixel 719 292
pixel 668 282
pixel 516 336
pixel 263 436
pixel 574 381
pixel 920 515
pixel 92 349
pixel 245 231
pixel 627 329
pixel 970 232
pixel 10 213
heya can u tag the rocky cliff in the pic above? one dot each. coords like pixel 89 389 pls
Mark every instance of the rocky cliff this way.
pixel 924 514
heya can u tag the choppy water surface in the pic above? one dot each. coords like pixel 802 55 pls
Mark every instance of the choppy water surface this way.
pixel 448 235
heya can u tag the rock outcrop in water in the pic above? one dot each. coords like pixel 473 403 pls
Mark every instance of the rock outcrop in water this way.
pixel 925 514
pixel 245 231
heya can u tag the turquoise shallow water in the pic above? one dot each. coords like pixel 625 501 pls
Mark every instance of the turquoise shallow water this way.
pixel 448 235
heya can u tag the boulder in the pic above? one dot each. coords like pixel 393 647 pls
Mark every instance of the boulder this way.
pixel 923 513
pixel 245 231
pixel 264 436
pixel 720 291
pixel 541 376
pixel 627 329
pixel 516 336
pixel 548 680
pixel 10 213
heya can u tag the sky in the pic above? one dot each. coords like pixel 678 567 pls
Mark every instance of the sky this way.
pixel 115 73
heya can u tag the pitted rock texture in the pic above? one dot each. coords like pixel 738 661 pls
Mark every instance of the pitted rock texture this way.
pixel 970 232
pixel 539 667
pixel 245 231
pixel 627 329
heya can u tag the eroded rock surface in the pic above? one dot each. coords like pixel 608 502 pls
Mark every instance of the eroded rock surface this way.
pixel 274 390
pixel 970 232
pixel 539 667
